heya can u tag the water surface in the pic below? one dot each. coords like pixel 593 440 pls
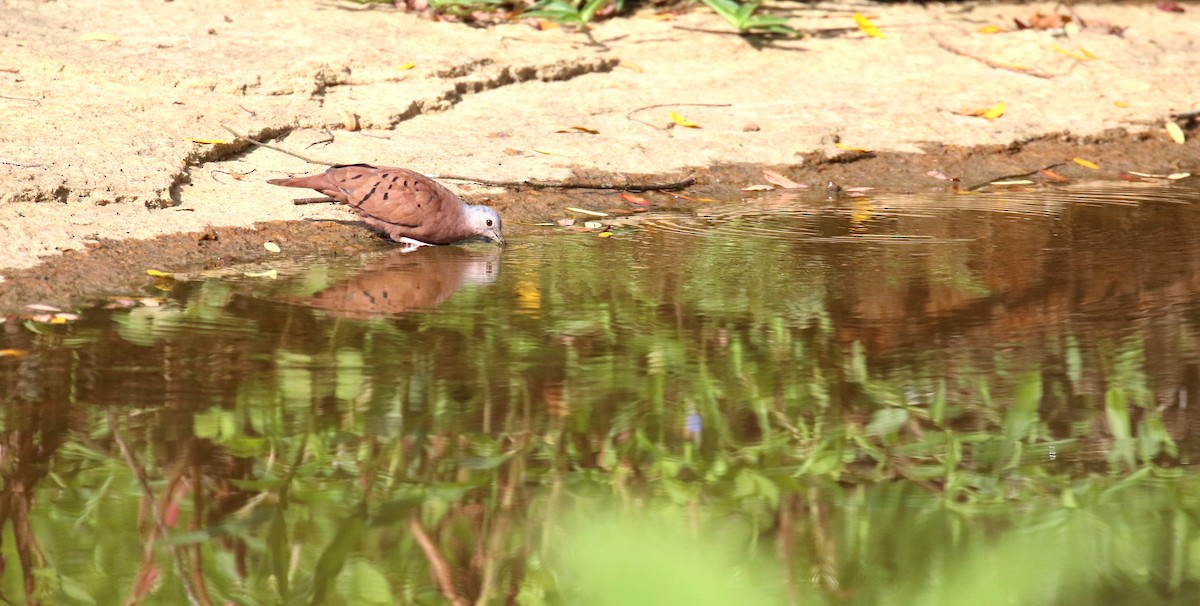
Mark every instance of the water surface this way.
pixel 784 399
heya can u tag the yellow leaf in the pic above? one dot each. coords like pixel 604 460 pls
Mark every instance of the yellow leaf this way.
pixel 593 224
pixel 206 141
pixel 407 66
pixel 680 120
pixel 1072 54
pixel 1121 103
pixel 1175 132
pixel 866 26
pixel 631 65
pixel 1086 164
pixel 157 274
pixel 606 234
pixel 990 29
pixel 13 353
pixel 1087 53
pixel 853 149
pixel 101 37
pixel 58 320
pixel 594 213
pixel 270 273
pixel 553 152
pixel 994 111
pixel 271 246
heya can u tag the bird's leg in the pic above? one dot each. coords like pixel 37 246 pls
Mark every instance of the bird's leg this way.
pixel 408 244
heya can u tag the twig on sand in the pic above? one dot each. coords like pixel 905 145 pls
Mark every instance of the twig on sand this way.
pixel 278 149
pixel 20 164
pixel 996 64
pixel 530 183
pixel 629 116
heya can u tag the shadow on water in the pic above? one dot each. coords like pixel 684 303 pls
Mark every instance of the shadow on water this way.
pixel 977 398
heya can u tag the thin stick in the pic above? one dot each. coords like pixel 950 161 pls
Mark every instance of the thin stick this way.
pixel 629 116
pixel 1016 176
pixel 997 64
pixel 530 183
pixel 278 149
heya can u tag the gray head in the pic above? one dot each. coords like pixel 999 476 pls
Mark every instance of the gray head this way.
pixel 485 221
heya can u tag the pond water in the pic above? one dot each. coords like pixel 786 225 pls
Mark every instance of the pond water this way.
pixel 885 399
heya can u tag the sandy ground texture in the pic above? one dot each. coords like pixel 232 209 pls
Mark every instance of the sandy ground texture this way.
pixel 99 101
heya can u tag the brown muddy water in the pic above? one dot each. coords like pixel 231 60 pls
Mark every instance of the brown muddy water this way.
pixel 883 399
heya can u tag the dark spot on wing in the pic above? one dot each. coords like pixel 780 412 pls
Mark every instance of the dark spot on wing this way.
pixel 355 177
pixel 385 196
pixel 369 194
pixel 397 177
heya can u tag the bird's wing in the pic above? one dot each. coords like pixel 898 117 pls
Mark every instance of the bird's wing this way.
pixel 415 205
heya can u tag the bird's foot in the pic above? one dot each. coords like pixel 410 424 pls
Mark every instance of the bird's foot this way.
pixel 408 245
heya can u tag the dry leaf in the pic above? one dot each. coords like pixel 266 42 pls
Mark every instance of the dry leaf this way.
pixel 632 199
pixel 1121 104
pixel 782 181
pixel 1085 163
pixel 553 152
pixel 1013 182
pixel 206 141
pixel 1178 176
pixel 271 246
pixel 605 234
pixel 1080 55
pixel 67 316
pixel 680 120
pixel 1174 132
pixel 937 174
pixel 270 273
pixel 990 29
pixel 158 274
pixel 692 199
pixel 581 129
pixel 545 24
pixel 631 65
pixel 42 307
pixel 407 66
pixel 593 224
pixel 1053 176
pixel 866 26
pixel 13 353
pixel 758 188
pixel 100 37
pixel 988 113
pixel 566 222
pixel 349 120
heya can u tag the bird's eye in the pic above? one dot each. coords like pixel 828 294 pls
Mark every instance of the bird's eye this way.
pixel 489 222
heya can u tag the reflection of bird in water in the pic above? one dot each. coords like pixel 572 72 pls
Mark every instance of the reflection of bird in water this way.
pixel 401 282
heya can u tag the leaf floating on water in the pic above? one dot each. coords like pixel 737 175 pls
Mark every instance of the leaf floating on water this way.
pixel 782 181
pixel 270 273
pixel 758 188
pixel 1086 163
pixel 632 199
pixel 1053 176
pixel 271 246
pixel 206 141
pixel 937 174
pixel 858 189
pixel 1178 176
pixel 1175 132
pixel 150 302
pixel 158 274
pixel 593 224
pixel 691 198
pixel 1147 175
pixel 680 120
pixel 41 307
pixel 594 213
pixel 865 25
pixel 553 152
pixel 100 37
pixel 13 353
pixel 1013 182
pixel 566 222
pixel 606 234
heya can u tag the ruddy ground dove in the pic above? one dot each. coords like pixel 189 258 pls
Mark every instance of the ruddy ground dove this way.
pixel 406 205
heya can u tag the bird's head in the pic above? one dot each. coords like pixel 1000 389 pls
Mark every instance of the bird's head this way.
pixel 485 221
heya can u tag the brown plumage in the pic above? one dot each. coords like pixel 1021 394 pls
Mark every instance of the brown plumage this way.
pixel 406 205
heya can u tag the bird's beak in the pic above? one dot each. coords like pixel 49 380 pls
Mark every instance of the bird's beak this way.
pixel 495 235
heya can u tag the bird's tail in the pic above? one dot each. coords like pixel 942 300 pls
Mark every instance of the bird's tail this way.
pixel 321 182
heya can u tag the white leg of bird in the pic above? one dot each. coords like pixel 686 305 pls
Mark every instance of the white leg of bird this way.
pixel 408 244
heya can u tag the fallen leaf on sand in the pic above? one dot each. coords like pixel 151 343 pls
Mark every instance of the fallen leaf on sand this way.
pixel 680 120
pixel 987 113
pixel 578 129
pixel 1086 163
pixel 407 66
pixel 865 25
pixel 843 146
pixel 41 307
pixel 553 152
pixel 100 37
pixel 206 141
pixel 632 199
pixel 271 246
pixel 782 181
pixel 158 274
pixel 1174 132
